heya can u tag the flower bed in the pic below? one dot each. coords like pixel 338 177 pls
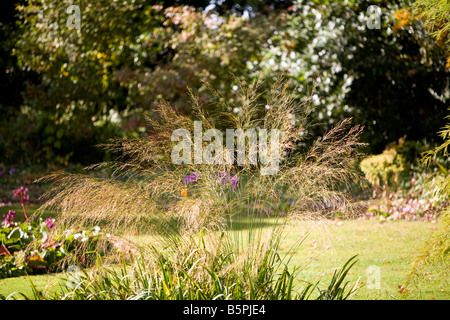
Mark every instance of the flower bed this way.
pixel 35 247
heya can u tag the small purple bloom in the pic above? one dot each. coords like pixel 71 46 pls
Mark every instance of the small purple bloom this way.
pixel 191 178
pixel 225 177
pixel 234 180
pixel 1 173
pixel 12 170
pixel 49 223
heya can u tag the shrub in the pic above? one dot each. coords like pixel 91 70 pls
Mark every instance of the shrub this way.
pixel 143 189
pixel 436 251
pixel 382 170
pixel 400 178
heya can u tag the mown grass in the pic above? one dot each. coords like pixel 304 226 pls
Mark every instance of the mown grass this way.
pixel 390 246
pixel 20 217
pixel 23 284
pixel 329 244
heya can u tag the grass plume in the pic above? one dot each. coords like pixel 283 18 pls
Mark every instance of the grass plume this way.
pixel 143 191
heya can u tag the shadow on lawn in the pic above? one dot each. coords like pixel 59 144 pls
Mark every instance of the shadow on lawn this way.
pixel 240 223
pixel 31 209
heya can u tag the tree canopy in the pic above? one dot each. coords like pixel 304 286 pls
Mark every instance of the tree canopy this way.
pixel 72 88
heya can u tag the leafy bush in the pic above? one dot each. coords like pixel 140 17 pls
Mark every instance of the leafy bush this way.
pixel 383 169
pixel 393 79
pixel 401 179
pixel 36 246
pixel 436 251
pixel 101 78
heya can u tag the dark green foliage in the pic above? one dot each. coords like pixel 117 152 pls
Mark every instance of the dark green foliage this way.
pixel 67 90
pixel 393 80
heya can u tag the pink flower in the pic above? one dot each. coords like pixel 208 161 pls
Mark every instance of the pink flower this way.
pixel 24 197
pixel 49 223
pixel 407 209
pixel 9 219
pixel 18 192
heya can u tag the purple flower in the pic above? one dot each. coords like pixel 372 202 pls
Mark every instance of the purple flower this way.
pixel 49 223
pixel 225 177
pixel 12 170
pixel 191 178
pixel 9 219
pixel 1 173
pixel 234 180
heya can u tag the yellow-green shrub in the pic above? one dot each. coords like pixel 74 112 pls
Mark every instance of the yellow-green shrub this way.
pixel 383 169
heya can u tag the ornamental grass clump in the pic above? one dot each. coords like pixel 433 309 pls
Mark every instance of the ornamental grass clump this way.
pixel 192 209
pixel 210 266
pixel 144 191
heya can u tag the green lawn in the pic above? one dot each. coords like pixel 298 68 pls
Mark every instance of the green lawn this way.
pixel 388 247
pixel 19 211
pixel 22 284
